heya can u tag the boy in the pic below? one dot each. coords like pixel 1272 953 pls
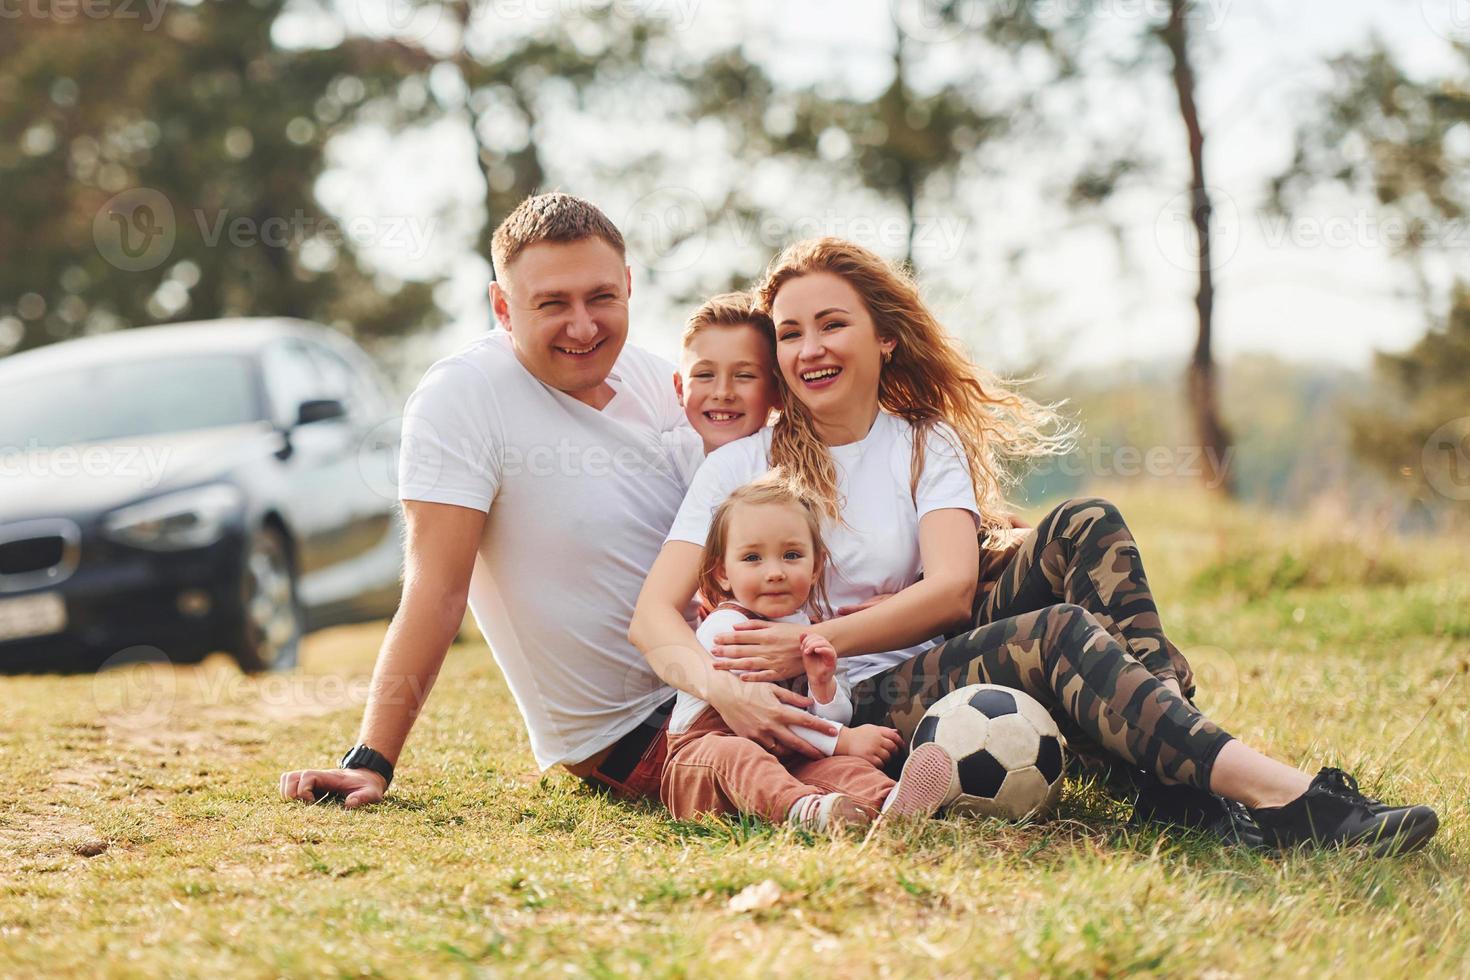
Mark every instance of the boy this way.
pixel 726 378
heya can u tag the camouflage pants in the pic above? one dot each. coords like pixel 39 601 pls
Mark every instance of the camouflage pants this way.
pixel 1071 622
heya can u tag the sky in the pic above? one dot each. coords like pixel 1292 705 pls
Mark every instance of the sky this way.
pixel 1325 288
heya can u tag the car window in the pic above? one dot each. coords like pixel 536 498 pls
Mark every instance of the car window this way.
pixel 104 401
pixel 291 377
pixel 351 381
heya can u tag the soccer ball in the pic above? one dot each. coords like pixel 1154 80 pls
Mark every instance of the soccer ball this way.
pixel 1007 750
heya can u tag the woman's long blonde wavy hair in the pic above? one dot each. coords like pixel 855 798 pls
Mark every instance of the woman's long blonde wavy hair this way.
pixel 928 380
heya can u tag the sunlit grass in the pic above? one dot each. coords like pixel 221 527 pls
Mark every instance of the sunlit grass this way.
pixel 477 864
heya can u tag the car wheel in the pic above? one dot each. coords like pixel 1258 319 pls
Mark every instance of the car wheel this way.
pixel 270 634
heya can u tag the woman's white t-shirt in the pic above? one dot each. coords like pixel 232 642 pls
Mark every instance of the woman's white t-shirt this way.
pixel 875 549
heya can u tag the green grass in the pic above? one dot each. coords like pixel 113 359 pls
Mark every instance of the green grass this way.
pixel 477 865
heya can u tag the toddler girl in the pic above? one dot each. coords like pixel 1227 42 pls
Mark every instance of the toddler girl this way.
pixel 764 559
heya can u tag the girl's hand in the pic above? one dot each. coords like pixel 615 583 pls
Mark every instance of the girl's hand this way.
pixel 769 651
pixel 871 743
pixel 819 661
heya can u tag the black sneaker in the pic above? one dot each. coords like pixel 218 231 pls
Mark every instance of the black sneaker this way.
pixel 1332 813
pixel 1194 809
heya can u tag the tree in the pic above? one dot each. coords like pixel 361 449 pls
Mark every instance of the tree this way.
pixel 163 171
pixel 907 145
pixel 1202 386
pixel 1401 140
pixel 157 172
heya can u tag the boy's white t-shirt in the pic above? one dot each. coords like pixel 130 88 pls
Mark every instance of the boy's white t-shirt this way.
pixel 839 709
pixel 579 502
pixel 875 549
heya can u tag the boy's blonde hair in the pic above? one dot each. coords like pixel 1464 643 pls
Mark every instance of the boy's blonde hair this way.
pixel 773 488
pixel 726 310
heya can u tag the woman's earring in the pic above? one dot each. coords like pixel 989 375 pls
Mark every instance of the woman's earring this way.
pixel 887 356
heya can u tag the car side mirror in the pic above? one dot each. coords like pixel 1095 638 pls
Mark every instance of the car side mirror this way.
pixel 320 410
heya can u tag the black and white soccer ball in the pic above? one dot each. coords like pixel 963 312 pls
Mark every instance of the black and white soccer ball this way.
pixel 1006 747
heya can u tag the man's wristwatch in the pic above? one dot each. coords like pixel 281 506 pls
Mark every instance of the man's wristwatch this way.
pixel 362 757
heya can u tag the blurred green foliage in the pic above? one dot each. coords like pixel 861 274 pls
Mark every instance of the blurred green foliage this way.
pixel 1389 132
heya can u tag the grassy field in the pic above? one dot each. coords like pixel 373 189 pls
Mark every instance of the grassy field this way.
pixel 142 833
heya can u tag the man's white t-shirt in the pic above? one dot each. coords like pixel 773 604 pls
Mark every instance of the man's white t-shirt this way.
pixel 875 549
pixel 578 503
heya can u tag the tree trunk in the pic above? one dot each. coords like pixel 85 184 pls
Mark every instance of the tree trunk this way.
pixel 1204 400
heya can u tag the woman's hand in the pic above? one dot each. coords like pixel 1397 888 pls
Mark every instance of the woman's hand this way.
pixel 769 651
pixel 765 714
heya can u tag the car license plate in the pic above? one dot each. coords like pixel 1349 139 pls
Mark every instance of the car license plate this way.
pixel 32 615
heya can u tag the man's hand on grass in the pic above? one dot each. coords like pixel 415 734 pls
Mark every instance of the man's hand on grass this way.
pixel 359 786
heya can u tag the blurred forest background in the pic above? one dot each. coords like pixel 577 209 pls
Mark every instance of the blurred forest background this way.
pixel 1094 194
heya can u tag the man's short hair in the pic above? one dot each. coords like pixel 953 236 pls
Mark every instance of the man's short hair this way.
pixel 554 217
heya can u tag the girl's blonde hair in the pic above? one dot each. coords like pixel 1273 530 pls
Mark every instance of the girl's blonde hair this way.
pixel 725 310
pixel 773 488
pixel 929 379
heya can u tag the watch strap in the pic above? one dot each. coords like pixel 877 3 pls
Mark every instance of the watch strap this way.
pixel 362 757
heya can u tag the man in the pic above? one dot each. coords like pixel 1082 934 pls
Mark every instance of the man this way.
pixel 535 488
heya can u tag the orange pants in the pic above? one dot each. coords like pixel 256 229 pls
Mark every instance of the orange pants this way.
pixel 710 769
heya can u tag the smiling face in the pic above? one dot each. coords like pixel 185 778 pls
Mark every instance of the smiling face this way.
pixel 770 558
pixel 829 351
pixel 727 383
pixel 565 305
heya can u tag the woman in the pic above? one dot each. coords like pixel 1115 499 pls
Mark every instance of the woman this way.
pixel 881 411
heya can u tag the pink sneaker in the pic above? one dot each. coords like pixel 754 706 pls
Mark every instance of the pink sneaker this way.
pixel 928 782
